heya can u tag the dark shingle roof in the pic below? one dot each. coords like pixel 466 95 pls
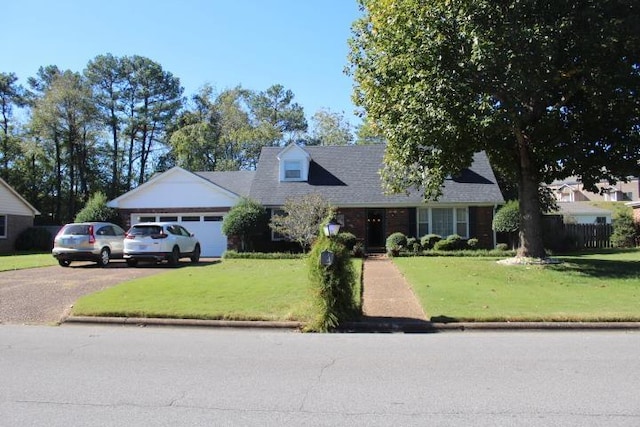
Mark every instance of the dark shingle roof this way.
pixel 238 182
pixel 349 176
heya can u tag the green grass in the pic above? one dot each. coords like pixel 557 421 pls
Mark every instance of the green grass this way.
pixel 235 289
pixel 22 261
pixel 595 287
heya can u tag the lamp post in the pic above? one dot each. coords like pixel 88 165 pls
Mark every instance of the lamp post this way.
pixel 330 230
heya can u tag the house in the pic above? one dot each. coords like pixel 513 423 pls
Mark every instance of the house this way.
pixel 16 215
pixel 347 176
pixel 583 213
pixel 572 190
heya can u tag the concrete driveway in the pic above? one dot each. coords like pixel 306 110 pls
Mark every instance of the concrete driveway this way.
pixel 43 295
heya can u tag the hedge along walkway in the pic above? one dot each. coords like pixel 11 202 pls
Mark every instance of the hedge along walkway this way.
pixel 386 294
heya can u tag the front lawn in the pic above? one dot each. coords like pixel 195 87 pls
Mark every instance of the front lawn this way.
pixel 234 289
pixel 21 261
pixel 596 287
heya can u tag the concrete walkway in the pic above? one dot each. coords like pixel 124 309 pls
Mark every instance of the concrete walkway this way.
pixel 387 297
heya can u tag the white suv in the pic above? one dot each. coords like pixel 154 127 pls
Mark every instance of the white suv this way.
pixel 158 241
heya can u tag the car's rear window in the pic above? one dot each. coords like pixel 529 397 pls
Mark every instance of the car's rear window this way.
pixel 145 230
pixel 76 230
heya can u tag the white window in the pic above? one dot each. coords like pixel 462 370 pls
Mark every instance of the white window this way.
pixel 3 226
pixel 292 169
pixel 443 221
pixel 423 222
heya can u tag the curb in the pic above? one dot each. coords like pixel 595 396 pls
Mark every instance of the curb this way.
pixel 418 326
pixel 143 321
pixel 385 326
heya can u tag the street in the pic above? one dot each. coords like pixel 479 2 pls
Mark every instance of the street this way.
pixel 113 376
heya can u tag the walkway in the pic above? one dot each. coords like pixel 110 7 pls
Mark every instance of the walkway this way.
pixel 388 301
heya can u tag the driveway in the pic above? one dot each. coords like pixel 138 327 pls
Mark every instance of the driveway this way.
pixel 42 295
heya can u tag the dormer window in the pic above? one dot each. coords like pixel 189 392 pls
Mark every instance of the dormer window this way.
pixel 294 164
pixel 292 169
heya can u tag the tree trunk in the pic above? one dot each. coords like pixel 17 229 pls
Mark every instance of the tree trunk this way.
pixel 531 244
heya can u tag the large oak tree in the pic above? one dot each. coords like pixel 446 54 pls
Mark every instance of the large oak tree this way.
pixel 548 88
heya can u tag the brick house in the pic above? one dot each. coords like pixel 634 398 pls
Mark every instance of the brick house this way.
pixel 347 176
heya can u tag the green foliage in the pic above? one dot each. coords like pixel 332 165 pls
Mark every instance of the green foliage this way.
pixel 429 240
pixel 347 239
pixel 502 247
pixel 261 255
pixel 507 219
pixel 472 243
pixel 624 231
pixel 395 242
pixel 442 81
pixel 302 218
pixel 451 243
pixel 334 286
pixel 96 209
pixel 245 219
pixel 329 128
pixel 34 239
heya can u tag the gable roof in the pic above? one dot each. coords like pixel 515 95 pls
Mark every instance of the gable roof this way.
pixel 238 182
pixel 13 203
pixel 176 187
pixel 348 176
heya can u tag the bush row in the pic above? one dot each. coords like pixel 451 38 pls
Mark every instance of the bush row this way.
pixel 398 242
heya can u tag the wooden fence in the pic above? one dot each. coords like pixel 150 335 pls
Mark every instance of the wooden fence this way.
pixel 561 236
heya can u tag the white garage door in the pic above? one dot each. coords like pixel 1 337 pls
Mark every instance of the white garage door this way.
pixel 206 227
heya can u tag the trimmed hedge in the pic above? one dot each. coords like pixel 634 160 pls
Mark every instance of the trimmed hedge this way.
pixel 262 255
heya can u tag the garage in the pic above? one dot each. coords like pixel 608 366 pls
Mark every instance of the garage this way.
pixel 206 226
pixel 198 202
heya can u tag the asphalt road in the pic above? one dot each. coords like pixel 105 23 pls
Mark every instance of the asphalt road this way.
pixel 42 295
pixel 113 376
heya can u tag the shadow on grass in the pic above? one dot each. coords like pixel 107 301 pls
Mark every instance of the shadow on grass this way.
pixel 600 268
pixel 148 265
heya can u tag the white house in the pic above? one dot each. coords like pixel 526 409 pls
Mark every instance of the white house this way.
pixel 16 215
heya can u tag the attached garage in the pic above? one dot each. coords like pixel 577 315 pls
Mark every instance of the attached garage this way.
pixel 206 226
pixel 192 200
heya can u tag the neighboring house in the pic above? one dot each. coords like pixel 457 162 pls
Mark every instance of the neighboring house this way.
pixel 583 213
pixel 347 176
pixel 636 212
pixel 16 215
pixel 572 190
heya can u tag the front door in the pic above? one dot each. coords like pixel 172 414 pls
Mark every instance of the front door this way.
pixel 375 230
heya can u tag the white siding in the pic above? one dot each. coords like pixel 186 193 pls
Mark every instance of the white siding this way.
pixel 10 204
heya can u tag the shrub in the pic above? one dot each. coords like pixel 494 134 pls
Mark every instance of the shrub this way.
pixel 502 247
pixel 451 243
pixel 262 255
pixel 429 240
pixel 245 219
pixel 96 209
pixel 334 286
pixel 358 250
pixel 34 239
pixel 507 219
pixel 395 242
pixel 347 239
pixel 472 243
pixel 413 244
pixel 624 231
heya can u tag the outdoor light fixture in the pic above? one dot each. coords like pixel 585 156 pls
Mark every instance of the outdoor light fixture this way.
pixel 331 228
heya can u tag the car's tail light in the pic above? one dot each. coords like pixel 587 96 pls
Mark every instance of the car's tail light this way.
pixel 92 238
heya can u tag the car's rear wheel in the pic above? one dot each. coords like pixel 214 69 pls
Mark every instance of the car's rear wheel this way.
pixel 174 256
pixel 195 256
pixel 64 262
pixel 132 262
pixel 103 261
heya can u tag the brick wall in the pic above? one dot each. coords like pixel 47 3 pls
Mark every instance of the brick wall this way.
pixel 482 227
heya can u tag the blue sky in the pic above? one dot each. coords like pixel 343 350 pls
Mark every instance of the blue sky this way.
pixel 301 44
